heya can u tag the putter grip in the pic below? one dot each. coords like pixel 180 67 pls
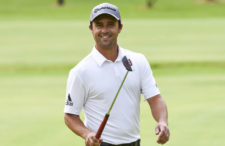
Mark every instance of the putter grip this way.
pixel 102 126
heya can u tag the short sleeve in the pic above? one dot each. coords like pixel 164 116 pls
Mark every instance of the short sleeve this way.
pixel 148 84
pixel 75 94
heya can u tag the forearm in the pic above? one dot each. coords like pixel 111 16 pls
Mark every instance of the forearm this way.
pixel 76 125
pixel 159 112
pixel 159 109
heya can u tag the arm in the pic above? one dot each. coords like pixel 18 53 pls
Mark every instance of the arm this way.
pixel 77 126
pixel 159 112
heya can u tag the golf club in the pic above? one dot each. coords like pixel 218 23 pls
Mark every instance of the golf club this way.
pixel 127 63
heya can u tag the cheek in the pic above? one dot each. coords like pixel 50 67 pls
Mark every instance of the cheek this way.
pixel 115 32
pixel 95 33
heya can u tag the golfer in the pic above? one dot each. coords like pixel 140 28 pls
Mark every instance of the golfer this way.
pixel 94 81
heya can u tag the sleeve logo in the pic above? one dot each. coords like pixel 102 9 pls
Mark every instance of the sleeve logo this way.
pixel 69 101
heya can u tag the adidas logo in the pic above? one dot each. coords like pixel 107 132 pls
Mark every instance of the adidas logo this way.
pixel 69 101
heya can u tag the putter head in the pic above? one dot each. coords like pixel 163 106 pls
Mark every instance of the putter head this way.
pixel 127 63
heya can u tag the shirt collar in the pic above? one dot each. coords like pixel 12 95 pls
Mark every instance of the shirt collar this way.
pixel 100 59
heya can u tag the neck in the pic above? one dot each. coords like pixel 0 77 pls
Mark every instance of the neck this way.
pixel 109 53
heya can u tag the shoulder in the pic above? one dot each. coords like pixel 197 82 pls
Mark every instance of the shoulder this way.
pixel 83 66
pixel 136 57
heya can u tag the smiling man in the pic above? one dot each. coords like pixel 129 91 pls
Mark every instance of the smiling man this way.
pixel 93 83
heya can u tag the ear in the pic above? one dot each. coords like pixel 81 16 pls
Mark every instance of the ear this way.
pixel 90 27
pixel 120 28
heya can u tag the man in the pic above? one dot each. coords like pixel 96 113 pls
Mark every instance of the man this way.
pixel 93 83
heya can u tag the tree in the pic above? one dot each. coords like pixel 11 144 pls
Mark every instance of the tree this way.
pixel 208 1
pixel 60 2
pixel 150 3
pixel 211 0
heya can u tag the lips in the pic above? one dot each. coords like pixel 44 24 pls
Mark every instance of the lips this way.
pixel 105 36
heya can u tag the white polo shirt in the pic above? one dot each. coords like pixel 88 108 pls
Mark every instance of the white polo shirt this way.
pixel 92 85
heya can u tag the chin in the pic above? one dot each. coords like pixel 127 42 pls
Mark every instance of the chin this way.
pixel 106 45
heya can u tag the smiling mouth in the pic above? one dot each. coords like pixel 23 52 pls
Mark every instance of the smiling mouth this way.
pixel 106 36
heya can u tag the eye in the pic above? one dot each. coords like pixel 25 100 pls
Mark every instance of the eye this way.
pixel 98 24
pixel 111 24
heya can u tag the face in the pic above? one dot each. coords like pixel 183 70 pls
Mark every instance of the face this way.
pixel 105 30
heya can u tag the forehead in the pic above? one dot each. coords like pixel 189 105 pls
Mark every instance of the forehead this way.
pixel 105 17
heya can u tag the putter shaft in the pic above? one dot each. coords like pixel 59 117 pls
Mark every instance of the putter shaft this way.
pixel 102 126
pixel 117 93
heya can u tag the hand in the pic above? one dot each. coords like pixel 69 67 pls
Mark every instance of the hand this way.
pixel 163 131
pixel 91 140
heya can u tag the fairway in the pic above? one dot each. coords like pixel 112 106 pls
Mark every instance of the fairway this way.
pixel 184 41
pixel 33 109
pixel 187 60
pixel 63 42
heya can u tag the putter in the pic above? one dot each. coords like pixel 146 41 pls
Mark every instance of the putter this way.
pixel 127 63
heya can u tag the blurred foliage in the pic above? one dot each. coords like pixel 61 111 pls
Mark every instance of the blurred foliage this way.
pixel 80 9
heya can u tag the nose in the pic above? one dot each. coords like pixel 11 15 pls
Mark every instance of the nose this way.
pixel 105 29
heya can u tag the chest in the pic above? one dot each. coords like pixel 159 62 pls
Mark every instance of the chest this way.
pixel 103 82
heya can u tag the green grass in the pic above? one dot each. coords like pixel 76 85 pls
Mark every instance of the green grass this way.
pixel 80 9
pixel 32 108
pixel 195 109
pixel 187 59
pixel 39 42
pixel 28 43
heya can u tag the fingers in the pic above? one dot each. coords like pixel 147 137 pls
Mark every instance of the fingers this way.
pixel 157 130
pixel 100 140
pixel 91 140
pixel 164 133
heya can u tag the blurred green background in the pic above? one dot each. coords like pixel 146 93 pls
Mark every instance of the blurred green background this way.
pixel 184 40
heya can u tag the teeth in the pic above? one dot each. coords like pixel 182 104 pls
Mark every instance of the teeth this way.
pixel 105 36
